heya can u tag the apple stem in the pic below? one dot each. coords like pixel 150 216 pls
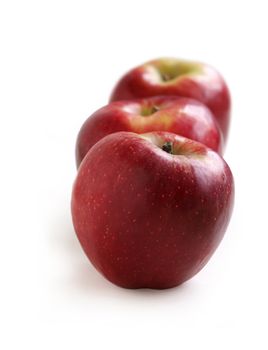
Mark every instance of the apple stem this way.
pixel 154 109
pixel 149 110
pixel 167 147
pixel 165 77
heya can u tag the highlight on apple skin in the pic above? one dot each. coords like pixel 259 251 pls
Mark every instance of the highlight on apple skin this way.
pixel 179 115
pixel 150 209
pixel 171 76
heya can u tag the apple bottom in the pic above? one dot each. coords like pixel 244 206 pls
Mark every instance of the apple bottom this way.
pixel 150 262
pixel 148 215
pixel 154 271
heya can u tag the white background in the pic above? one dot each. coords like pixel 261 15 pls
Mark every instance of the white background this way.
pixel 59 62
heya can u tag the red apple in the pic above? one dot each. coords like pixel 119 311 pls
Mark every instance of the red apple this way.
pixel 179 115
pixel 149 210
pixel 168 76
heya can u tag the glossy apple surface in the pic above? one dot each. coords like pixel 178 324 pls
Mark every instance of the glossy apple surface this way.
pixel 168 76
pixel 179 115
pixel 149 210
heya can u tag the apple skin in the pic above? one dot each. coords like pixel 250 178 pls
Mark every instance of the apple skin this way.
pixel 179 115
pixel 171 76
pixel 146 218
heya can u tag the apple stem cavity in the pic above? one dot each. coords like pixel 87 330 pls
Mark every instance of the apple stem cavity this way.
pixel 147 111
pixel 167 147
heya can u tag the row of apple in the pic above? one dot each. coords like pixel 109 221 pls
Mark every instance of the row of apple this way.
pixel 153 196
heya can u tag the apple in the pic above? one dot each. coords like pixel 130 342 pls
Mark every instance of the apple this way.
pixel 179 115
pixel 170 76
pixel 150 209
